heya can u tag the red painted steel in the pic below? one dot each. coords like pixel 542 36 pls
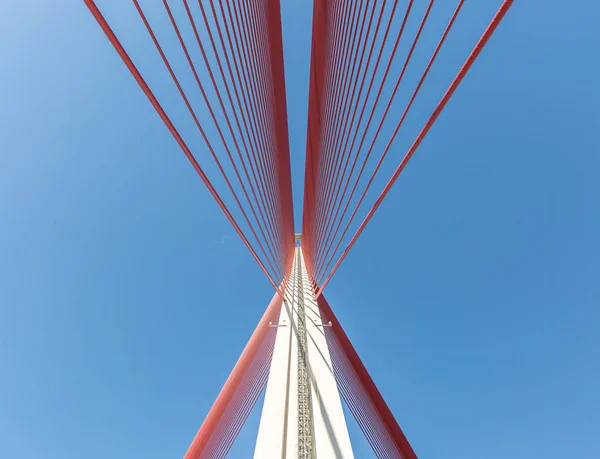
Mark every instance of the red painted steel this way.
pixel 337 75
pixel 265 176
pixel 338 125
pixel 272 258
pixel 169 124
pixel 235 378
pixel 359 403
pixel 313 134
pixel 332 197
pixel 281 122
pixel 337 29
pixel 236 28
pixel 242 404
pixel 404 67
pixel 383 411
pixel 380 126
pixel 250 40
pixel 489 31
pixel 323 254
pixel 264 65
pixel 366 67
pixel 259 199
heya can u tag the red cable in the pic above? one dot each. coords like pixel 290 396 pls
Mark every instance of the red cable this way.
pixel 377 62
pixel 320 16
pixel 226 426
pixel 325 67
pixel 317 57
pixel 399 79
pixel 366 67
pixel 258 77
pixel 233 429
pixel 330 197
pixel 358 415
pixel 335 73
pixel 176 81
pixel 254 137
pixel 334 60
pixel 371 420
pixel 268 94
pixel 249 394
pixel 275 40
pixel 254 396
pixel 457 80
pixel 350 394
pixel 233 418
pixel 248 80
pixel 168 123
pixel 267 85
pixel 320 34
pixel 363 411
pixel 253 74
pixel 250 76
pixel 331 60
pixel 248 147
pixel 365 414
pixel 261 83
pixel 237 96
pixel 334 134
pixel 234 380
pixel 245 398
pixel 408 106
pixel 268 240
pixel 266 184
pixel 243 61
pixel 366 382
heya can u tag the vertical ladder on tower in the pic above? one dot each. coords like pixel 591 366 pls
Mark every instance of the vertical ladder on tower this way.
pixel 302 415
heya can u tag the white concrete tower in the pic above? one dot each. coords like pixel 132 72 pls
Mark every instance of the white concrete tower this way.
pixel 302 415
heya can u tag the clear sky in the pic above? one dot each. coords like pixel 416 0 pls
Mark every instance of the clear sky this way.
pixel 126 297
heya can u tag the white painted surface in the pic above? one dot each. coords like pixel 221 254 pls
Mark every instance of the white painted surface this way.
pixel 278 430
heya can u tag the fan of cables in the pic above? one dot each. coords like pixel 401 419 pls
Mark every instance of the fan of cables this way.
pixel 225 62
pixel 364 54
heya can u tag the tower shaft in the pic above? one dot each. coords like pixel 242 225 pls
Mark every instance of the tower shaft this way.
pixel 302 414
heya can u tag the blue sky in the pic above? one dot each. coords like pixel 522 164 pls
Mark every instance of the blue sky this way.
pixel 125 296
